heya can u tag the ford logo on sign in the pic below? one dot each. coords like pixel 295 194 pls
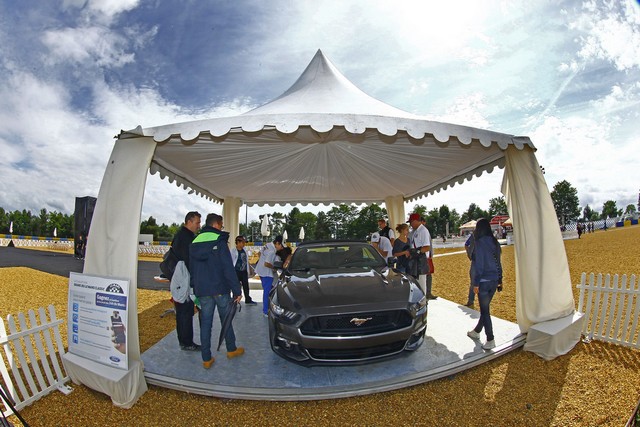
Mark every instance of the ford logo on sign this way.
pixel 115 359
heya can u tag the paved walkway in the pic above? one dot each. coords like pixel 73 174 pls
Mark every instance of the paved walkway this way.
pixel 62 264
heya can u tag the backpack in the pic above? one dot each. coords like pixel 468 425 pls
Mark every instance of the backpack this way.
pixel 180 286
pixel 168 264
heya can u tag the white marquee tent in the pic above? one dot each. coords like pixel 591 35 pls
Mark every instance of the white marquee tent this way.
pixel 322 141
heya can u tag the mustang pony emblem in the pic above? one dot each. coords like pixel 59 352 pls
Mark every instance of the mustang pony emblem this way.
pixel 359 322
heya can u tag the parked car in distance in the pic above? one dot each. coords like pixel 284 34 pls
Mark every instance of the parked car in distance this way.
pixel 338 302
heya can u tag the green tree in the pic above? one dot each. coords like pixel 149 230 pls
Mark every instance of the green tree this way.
pixel 610 210
pixel 277 220
pixel 433 218
pixel 309 221
pixel 565 202
pixel 4 221
pixel 21 222
pixel 420 210
pixel 341 219
pixel 292 224
pixel 251 231
pixel 41 224
pixel 586 213
pixel 497 206
pixel 444 220
pixel 473 212
pixel 367 221
pixel 589 214
pixel 323 227
pixel 150 226
pixel 630 209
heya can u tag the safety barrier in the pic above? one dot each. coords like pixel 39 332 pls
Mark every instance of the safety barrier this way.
pixel 32 354
pixel 611 308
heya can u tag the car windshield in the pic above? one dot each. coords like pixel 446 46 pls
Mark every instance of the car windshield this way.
pixel 349 255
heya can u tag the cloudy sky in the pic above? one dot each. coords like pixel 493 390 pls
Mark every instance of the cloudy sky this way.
pixel 73 73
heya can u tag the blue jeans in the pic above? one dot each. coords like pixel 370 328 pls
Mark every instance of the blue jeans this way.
pixel 208 306
pixel 472 295
pixel 485 295
pixel 267 283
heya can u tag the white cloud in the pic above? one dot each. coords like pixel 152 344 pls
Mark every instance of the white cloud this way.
pixel 619 99
pixel 55 150
pixel 467 111
pixel 97 45
pixel 103 10
pixel 612 33
pixel 579 150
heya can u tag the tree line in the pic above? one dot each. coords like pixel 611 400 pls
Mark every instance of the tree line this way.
pixel 340 222
pixel 567 206
pixel 43 224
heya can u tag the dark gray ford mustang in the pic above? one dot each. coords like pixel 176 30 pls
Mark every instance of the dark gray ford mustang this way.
pixel 339 303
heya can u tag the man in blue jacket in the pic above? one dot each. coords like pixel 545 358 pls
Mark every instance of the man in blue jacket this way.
pixel 213 278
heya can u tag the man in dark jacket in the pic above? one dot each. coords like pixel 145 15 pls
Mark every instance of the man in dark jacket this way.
pixel 184 311
pixel 213 278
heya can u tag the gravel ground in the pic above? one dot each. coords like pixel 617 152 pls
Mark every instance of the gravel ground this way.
pixel 595 384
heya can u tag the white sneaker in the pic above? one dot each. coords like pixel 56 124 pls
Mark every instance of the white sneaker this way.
pixel 473 335
pixel 489 345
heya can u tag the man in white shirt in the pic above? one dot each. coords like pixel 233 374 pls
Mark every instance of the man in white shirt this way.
pixel 264 269
pixel 421 239
pixel 382 245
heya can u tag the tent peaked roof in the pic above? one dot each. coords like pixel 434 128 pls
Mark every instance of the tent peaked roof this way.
pixel 323 141
pixel 322 88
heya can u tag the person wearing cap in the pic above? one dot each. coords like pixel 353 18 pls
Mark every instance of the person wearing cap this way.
pixel 240 259
pixel 386 231
pixel 382 245
pixel 421 241
pixel 264 269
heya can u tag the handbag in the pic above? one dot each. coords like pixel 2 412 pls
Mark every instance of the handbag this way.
pixel 431 266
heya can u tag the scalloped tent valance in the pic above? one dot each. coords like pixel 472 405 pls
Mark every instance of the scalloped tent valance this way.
pixel 323 141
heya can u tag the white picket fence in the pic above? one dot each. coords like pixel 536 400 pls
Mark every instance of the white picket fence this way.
pixel 611 308
pixel 33 356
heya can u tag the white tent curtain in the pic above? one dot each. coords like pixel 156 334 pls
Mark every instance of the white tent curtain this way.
pixel 543 282
pixel 112 250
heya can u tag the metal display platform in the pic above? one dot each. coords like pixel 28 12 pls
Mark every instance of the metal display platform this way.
pixel 262 375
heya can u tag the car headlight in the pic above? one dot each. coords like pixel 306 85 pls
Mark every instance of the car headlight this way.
pixel 277 310
pixel 282 313
pixel 418 307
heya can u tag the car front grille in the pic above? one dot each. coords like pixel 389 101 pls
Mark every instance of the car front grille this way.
pixel 354 354
pixel 347 324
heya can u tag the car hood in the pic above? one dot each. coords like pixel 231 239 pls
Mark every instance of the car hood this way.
pixel 331 288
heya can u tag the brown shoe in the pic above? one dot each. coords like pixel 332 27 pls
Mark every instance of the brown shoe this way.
pixel 235 353
pixel 208 363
